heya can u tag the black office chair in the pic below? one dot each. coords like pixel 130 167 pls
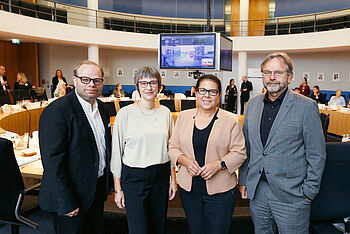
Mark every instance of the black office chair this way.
pixel 21 94
pixel 169 103
pixel 188 104
pixel 110 108
pixel 325 123
pixel 12 192
pixel 125 103
pixel 38 94
pixel 332 203
pixel 4 98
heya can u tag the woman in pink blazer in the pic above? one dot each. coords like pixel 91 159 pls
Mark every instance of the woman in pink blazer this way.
pixel 208 146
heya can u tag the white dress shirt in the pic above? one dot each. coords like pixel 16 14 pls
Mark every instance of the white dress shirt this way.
pixel 2 80
pixel 96 124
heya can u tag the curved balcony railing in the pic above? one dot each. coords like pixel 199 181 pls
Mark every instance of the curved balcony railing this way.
pixel 82 16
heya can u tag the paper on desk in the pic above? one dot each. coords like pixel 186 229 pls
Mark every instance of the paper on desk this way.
pixel 25 160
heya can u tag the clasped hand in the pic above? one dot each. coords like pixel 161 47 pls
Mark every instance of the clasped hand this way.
pixel 206 172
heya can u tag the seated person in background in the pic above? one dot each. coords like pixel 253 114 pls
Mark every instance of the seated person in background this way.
pixel 318 96
pixel 135 95
pixel 337 99
pixel 193 91
pixel 162 89
pixel 297 90
pixel 22 82
pixel 348 104
pixel 118 92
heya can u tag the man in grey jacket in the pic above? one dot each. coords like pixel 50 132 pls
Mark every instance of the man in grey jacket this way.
pixel 286 152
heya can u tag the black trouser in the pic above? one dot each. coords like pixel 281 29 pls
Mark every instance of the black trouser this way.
pixel 87 222
pixel 146 193
pixel 243 101
pixel 208 213
pixel 231 104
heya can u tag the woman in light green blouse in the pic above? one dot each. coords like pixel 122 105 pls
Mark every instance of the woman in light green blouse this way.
pixel 140 162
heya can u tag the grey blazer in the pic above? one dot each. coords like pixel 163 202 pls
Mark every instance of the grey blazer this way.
pixel 294 155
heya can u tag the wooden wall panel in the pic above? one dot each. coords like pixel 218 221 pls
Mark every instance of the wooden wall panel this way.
pixel 20 58
pixel 28 61
pixel 2 53
pixel 234 27
pixel 258 15
pixel 11 62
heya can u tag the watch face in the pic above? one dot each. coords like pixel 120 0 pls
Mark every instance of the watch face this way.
pixel 223 165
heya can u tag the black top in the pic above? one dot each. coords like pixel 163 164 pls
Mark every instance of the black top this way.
pixel 55 82
pixel 321 98
pixel 27 85
pixel 245 95
pixel 200 140
pixel 269 114
pixel 233 92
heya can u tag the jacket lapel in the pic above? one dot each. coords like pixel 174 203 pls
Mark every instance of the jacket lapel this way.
pixel 286 104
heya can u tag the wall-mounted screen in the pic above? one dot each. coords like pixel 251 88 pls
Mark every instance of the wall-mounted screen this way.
pixel 225 53
pixel 187 51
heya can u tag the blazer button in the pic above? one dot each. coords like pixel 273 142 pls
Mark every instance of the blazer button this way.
pixel 259 171
pixel 264 154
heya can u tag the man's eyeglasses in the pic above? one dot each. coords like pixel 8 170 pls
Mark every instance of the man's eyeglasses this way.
pixel 144 84
pixel 87 80
pixel 212 92
pixel 278 74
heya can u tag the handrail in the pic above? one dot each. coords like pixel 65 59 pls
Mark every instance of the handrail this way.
pixel 83 16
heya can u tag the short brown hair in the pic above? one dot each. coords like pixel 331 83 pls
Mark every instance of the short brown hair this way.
pixel 87 62
pixel 280 55
pixel 147 71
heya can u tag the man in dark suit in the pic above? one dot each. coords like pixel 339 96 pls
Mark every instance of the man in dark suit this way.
pixel 75 146
pixel 246 87
pixel 3 79
pixel 285 152
pixel 318 96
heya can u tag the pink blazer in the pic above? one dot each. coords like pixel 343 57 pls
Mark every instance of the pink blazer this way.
pixel 226 142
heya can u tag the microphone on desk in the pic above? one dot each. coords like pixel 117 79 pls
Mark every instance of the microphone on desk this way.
pixel 30 117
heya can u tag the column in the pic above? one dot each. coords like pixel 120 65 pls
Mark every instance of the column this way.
pixel 243 17
pixel 92 5
pixel 93 53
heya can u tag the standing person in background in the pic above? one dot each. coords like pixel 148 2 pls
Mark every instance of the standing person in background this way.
pixel 286 152
pixel 246 87
pixel 337 99
pixel 61 81
pixel 304 88
pixel 318 96
pixel 140 162
pixel 231 92
pixel 3 79
pixel 208 147
pixel 22 82
pixel 118 92
pixel 75 148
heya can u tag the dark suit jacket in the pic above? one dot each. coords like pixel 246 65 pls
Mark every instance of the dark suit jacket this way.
pixel 70 156
pixel 7 85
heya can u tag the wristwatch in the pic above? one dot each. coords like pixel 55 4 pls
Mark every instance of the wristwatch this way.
pixel 223 165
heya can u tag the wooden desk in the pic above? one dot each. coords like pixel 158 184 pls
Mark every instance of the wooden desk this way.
pixel 32 170
pixel 339 123
pixel 17 121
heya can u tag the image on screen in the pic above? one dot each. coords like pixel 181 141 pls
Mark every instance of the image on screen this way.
pixel 187 51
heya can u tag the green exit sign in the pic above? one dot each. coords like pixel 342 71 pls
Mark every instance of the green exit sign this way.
pixel 16 41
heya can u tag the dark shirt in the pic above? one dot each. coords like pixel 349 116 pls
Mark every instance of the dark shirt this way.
pixel 200 140
pixel 233 92
pixel 27 85
pixel 245 95
pixel 269 114
pixel 321 98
